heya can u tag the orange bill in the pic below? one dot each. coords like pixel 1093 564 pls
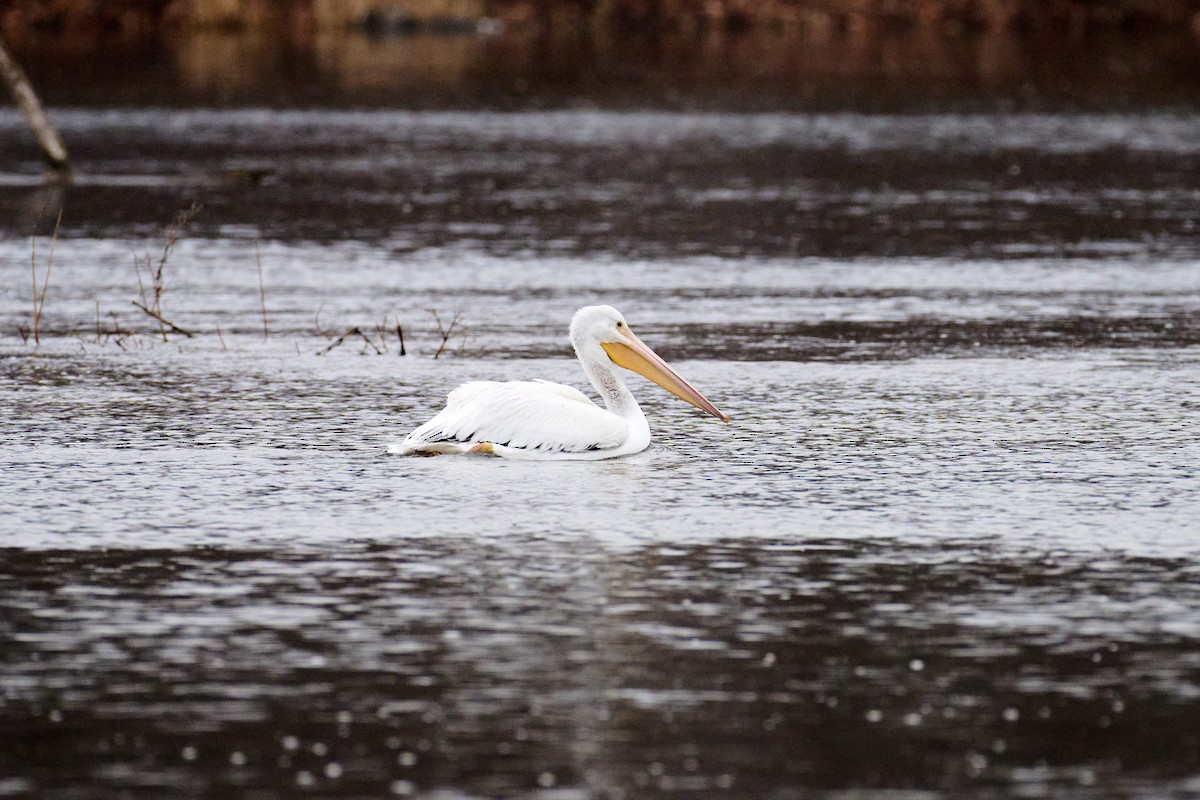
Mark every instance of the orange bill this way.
pixel 632 354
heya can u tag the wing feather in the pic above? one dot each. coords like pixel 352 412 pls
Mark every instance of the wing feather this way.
pixel 528 415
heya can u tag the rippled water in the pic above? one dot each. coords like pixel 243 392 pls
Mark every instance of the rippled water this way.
pixel 946 547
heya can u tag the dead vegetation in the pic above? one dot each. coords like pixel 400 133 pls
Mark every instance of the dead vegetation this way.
pixel 373 339
pixel 353 333
pixel 39 295
pixel 446 331
pixel 151 303
pixel 262 290
pixel 155 275
pixel 146 18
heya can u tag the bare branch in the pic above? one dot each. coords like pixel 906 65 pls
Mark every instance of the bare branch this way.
pixel 317 323
pixel 355 331
pixel 381 329
pixel 152 304
pixel 50 262
pixel 262 292
pixel 162 320
pixel 39 297
pixel 337 341
pixel 174 234
pixel 141 286
pixel 27 100
pixel 367 339
pixel 33 271
pixel 445 331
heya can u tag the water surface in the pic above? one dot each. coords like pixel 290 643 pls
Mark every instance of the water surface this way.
pixel 947 545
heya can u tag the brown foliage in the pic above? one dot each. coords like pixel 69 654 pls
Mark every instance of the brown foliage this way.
pixel 82 16
pixel 145 16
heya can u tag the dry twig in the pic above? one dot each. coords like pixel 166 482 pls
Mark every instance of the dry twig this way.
pixel 166 323
pixel 152 305
pixel 348 334
pixel 381 329
pixel 317 323
pixel 445 331
pixel 39 297
pixel 262 291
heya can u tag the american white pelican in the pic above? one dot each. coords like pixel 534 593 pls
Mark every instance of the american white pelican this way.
pixel 543 420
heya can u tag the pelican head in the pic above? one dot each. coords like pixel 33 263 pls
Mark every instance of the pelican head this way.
pixel 601 335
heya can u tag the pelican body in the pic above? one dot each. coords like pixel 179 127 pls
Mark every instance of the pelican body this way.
pixel 550 421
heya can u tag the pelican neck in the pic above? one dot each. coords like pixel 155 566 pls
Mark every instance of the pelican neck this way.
pixel 612 389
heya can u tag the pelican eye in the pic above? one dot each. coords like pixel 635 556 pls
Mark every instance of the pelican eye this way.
pixel 620 324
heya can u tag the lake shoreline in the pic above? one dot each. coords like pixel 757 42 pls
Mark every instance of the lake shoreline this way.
pixel 1071 17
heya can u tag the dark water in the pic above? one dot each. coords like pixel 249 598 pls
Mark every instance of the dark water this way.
pixel 948 546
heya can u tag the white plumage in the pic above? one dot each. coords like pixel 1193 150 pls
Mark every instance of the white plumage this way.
pixel 544 420
pixel 526 415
